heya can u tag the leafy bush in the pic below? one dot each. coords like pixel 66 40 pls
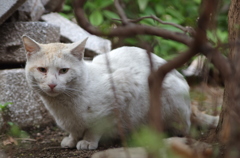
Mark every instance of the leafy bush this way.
pixel 182 12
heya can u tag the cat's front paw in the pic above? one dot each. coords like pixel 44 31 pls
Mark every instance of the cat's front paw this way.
pixel 68 142
pixel 86 145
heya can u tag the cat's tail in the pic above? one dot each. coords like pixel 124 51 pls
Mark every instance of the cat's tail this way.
pixel 203 120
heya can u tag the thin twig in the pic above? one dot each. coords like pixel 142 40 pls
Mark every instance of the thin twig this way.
pixel 186 29
pixel 26 139
pixel 121 13
pixel 117 106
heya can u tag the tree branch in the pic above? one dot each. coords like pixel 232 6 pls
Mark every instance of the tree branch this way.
pixel 187 29
pixel 127 30
pixel 121 13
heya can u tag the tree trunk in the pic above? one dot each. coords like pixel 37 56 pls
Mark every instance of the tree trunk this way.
pixel 229 125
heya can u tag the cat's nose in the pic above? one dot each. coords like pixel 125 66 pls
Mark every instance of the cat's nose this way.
pixel 52 86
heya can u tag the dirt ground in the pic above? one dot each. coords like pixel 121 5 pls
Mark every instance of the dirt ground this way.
pixel 45 143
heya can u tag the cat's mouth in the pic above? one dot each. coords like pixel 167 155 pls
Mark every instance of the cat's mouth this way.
pixel 52 93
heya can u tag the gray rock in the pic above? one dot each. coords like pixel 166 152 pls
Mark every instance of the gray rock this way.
pixel 73 33
pixel 138 152
pixel 8 7
pixel 11 47
pixel 53 5
pixel 31 10
pixel 44 2
pixel 27 109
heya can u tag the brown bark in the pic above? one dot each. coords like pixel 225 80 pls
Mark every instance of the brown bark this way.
pixel 228 128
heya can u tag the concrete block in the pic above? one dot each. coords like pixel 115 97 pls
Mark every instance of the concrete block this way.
pixel 27 109
pixel 71 32
pixel 8 7
pixel 11 47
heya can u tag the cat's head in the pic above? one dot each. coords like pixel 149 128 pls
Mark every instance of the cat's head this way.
pixel 54 68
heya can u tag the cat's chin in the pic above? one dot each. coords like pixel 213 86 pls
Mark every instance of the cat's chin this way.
pixel 52 94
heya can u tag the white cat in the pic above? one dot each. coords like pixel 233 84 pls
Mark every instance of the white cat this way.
pixel 80 94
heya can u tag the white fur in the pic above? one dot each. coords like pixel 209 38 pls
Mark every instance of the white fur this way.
pixel 83 102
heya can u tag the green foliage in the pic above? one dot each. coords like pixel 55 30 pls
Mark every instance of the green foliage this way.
pixel 182 12
pixel 142 4
pixel 96 18
pixel 12 129
pixel 67 11
pixel 152 141
pixel 3 107
pixel 15 131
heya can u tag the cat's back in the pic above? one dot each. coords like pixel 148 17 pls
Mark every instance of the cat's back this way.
pixel 127 56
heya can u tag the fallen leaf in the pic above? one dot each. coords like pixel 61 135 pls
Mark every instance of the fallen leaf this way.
pixel 9 141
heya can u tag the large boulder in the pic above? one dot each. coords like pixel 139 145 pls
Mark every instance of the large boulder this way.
pixel 8 7
pixel 71 32
pixel 27 109
pixel 11 47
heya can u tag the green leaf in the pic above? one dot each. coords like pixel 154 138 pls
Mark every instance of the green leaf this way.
pixel 110 15
pixel 159 9
pixel 105 3
pixel 67 8
pixel 197 1
pixel 24 134
pixel 14 131
pixel 142 4
pixel 174 13
pixel 90 5
pixel 7 103
pixel 4 106
pixel 130 41
pixel 10 123
pixel 96 18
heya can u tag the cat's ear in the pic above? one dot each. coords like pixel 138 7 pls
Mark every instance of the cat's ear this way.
pixel 78 51
pixel 30 45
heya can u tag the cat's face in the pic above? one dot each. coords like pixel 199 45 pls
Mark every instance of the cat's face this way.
pixel 52 69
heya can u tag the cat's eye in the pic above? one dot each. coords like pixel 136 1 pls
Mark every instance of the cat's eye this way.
pixel 63 70
pixel 42 69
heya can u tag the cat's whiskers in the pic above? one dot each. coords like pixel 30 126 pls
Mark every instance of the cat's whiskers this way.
pixel 67 94
pixel 33 82
pixel 72 89
pixel 34 85
pixel 70 93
